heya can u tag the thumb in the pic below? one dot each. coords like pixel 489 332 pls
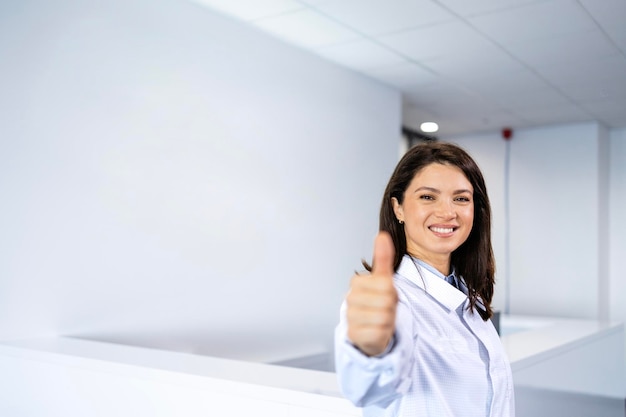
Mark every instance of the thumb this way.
pixel 384 254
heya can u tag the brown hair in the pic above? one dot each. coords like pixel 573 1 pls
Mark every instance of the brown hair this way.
pixel 474 259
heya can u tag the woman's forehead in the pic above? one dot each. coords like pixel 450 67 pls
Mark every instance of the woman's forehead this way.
pixel 442 174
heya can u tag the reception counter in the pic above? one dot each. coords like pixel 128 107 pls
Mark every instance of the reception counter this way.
pixel 72 377
pixel 578 356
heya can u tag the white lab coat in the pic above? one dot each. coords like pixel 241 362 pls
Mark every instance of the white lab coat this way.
pixel 445 362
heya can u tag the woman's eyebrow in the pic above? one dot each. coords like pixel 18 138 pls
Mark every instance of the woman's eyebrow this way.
pixel 437 191
pixel 431 189
pixel 463 191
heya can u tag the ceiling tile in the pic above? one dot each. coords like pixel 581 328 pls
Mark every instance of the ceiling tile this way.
pixel 592 44
pixel 405 76
pixel 306 28
pixel 487 118
pixel 542 20
pixel 609 13
pixel 433 94
pixel 525 99
pixel 411 112
pixel 581 72
pixel 504 84
pixel 477 7
pixel 318 2
pixel 375 17
pixel 469 106
pixel 596 89
pixel 611 107
pixel 252 9
pixel 619 37
pixel 483 64
pixel 361 55
pixel 568 113
pixel 437 41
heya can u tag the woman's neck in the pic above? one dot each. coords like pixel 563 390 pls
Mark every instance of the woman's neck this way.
pixel 440 263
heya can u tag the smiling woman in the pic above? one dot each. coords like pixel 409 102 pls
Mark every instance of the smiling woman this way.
pixel 473 257
pixel 409 343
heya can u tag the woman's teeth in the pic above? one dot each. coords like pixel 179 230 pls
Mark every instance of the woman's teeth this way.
pixel 442 229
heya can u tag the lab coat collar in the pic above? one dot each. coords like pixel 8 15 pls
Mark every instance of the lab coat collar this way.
pixel 450 297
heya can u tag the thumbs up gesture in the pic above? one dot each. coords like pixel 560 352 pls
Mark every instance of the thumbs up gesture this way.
pixel 372 300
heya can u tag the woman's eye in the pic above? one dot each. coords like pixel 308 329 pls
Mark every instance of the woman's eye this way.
pixel 463 199
pixel 427 197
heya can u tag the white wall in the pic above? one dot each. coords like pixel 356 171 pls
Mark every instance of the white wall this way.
pixel 554 221
pixel 172 178
pixel 617 227
pixel 556 230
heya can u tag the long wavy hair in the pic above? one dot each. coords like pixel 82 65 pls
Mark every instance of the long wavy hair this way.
pixel 474 259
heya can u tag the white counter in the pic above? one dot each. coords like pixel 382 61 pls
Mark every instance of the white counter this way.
pixel 578 356
pixel 72 377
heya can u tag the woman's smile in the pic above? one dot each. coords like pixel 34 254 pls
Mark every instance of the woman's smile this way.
pixel 443 230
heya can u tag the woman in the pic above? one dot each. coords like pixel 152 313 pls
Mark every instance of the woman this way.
pixel 414 338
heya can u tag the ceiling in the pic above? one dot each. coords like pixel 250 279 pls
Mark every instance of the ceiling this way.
pixel 469 65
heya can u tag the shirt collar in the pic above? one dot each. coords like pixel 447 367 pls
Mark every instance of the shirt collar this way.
pixel 436 271
pixel 431 281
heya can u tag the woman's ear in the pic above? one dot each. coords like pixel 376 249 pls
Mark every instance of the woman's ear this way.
pixel 397 209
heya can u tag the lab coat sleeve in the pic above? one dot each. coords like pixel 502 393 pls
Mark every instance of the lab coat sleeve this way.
pixel 375 380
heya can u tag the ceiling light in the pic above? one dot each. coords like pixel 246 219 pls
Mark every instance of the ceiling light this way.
pixel 429 127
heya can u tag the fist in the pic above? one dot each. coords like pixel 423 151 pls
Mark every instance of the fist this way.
pixel 372 301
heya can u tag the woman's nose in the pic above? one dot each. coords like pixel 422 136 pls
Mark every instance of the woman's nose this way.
pixel 446 210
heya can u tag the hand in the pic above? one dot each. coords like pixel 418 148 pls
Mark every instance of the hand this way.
pixel 372 301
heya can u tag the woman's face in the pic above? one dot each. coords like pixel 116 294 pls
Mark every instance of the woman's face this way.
pixel 438 213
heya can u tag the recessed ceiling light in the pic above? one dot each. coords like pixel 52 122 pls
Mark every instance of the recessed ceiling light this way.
pixel 429 127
